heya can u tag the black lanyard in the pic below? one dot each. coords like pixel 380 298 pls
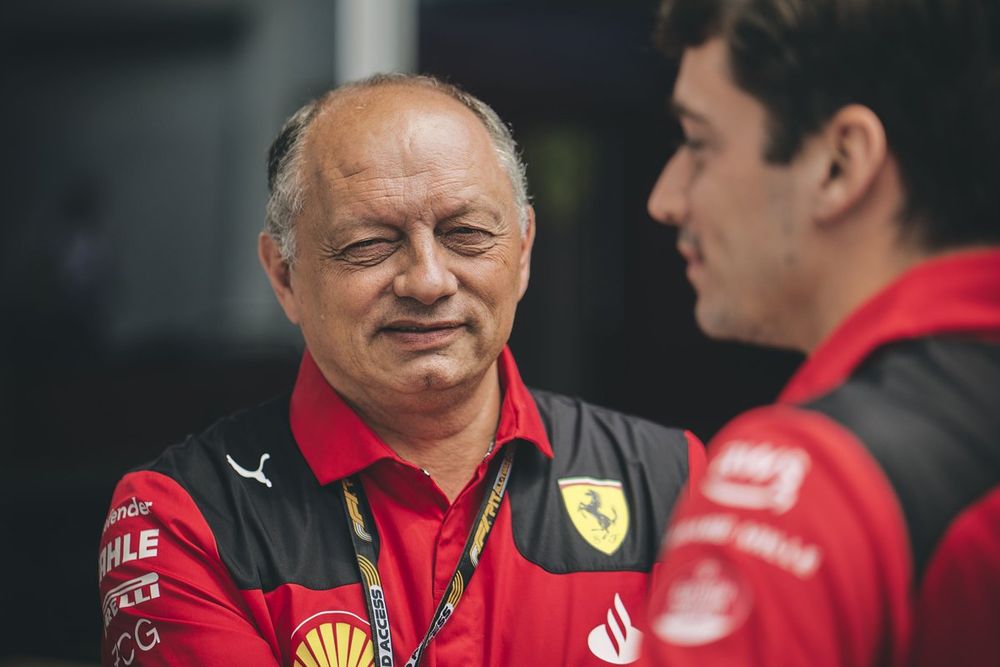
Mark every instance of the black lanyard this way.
pixel 366 547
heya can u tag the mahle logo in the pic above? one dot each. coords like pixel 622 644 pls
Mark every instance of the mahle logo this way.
pixel 337 638
pixel 598 510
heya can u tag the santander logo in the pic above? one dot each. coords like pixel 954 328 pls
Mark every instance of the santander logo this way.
pixel 616 641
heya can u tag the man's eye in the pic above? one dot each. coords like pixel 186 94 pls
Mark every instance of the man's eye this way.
pixel 368 243
pixel 693 145
pixel 468 240
pixel 469 234
pixel 368 251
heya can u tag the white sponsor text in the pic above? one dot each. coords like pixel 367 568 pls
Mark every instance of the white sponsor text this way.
pixel 123 549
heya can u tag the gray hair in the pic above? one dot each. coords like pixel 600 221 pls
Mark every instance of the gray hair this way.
pixel 286 155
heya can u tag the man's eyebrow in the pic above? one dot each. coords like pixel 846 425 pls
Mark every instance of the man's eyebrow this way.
pixel 469 208
pixel 680 110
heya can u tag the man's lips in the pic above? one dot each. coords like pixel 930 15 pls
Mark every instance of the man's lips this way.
pixel 417 335
pixel 690 253
pixel 689 248
pixel 418 327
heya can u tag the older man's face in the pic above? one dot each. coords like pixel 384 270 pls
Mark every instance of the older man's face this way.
pixel 410 257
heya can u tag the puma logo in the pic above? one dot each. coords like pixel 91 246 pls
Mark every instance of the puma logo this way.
pixel 257 474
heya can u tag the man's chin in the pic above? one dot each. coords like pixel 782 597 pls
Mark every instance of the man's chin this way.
pixel 740 327
pixel 715 322
pixel 432 372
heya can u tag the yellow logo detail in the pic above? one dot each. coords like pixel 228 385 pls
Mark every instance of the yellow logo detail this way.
pixel 457 587
pixel 352 509
pixel 335 645
pixel 598 510
pixel 369 572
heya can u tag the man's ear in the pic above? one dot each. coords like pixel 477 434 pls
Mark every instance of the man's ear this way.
pixel 527 241
pixel 856 151
pixel 279 273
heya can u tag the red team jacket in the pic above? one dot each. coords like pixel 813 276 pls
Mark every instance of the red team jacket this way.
pixel 233 547
pixel 856 522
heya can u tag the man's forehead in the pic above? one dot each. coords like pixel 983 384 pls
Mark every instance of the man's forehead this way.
pixel 381 153
pixel 392 109
pixel 399 128
pixel 702 81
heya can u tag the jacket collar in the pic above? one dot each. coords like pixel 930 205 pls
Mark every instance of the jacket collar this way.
pixel 953 294
pixel 336 442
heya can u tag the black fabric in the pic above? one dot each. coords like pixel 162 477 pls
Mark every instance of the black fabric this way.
pixel 650 461
pixel 296 532
pixel 293 532
pixel 929 413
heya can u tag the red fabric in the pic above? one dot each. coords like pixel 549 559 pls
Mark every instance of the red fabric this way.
pixel 783 484
pixel 953 294
pixel 696 460
pixel 199 616
pixel 513 611
pixel 819 583
pixel 316 408
pixel 963 577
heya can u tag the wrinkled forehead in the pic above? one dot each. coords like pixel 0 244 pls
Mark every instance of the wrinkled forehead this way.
pixel 401 134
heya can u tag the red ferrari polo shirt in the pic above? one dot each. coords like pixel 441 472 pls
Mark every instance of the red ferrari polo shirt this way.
pixel 233 547
pixel 857 522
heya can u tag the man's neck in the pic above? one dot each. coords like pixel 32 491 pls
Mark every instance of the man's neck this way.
pixel 851 283
pixel 447 436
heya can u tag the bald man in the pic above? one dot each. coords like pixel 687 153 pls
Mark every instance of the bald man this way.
pixel 411 501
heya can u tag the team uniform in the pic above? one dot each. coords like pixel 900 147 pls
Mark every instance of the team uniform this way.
pixel 857 521
pixel 235 547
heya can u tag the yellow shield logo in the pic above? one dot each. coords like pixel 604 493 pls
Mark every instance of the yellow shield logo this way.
pixel 598 510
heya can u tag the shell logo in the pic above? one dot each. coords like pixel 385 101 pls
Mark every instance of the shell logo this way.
pixel 335 643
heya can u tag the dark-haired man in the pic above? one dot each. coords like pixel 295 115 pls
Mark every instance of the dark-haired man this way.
pixel 343 524
pixel 837 192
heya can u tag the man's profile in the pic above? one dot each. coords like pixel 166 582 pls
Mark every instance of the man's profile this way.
pixel 410 501
pixel 836 193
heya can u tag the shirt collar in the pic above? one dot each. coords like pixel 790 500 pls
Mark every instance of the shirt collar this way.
pixel 953 294
pixel 337 443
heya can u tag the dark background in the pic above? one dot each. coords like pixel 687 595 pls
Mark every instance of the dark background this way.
pixel 132 310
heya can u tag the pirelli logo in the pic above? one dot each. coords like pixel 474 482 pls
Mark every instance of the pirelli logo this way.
pixel 130 594
pixel 490 512
pixel 352 509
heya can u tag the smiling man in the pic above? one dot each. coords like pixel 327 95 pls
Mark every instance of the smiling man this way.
pixel 836 193
pixel 410 501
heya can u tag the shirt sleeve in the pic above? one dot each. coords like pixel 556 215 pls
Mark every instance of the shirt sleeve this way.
pixel 790 550
pixel 166 597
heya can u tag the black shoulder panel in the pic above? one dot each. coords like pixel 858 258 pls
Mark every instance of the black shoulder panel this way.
pixel 929 412
pixel 649 460
pixel 292 531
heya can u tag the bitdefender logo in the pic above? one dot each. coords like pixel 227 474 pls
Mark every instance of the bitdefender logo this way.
pixel 338 638
pixel 129 509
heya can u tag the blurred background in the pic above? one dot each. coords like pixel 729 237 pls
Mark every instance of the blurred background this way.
pixel 132 308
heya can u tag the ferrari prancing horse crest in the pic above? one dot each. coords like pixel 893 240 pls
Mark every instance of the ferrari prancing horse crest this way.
pixel 598 510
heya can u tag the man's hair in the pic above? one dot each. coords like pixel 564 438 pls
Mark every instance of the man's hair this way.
pixel 285 178
pixel 927 68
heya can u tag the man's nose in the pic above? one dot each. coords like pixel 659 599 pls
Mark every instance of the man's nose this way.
pixel 668 202
pixel 426 276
